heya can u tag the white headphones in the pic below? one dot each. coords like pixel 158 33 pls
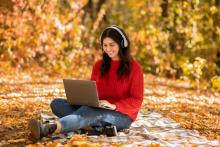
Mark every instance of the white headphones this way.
pixel 124 42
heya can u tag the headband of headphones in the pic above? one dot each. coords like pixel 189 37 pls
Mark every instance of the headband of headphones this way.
pixel 125 42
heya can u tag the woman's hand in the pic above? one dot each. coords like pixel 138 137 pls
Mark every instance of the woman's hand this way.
pixel 106 104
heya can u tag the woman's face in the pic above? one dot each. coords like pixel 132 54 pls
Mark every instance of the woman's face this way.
pixel 111 48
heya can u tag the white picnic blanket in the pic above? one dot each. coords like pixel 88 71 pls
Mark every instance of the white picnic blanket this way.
pixel 151 128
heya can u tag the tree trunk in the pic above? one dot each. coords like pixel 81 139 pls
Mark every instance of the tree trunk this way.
pixel 164 7
pixel 216 23
pixel 92 9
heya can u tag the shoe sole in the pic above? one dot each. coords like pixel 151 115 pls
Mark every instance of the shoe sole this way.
pixel 34 127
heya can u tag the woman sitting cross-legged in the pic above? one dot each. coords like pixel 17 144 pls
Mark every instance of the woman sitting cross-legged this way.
pixel 119 80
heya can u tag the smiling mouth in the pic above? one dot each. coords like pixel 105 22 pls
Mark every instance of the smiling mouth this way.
pixel 110 53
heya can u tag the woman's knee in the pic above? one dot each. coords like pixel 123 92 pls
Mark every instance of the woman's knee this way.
pixel 57 102
pixel 121 121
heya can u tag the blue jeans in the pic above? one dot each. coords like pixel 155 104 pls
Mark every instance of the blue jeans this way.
pixel 76 117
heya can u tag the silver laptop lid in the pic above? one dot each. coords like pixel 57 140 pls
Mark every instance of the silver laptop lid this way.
pixel 81 92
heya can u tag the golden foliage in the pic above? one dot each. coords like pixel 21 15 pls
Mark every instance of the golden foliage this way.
pixel 81 141
pixel 24 96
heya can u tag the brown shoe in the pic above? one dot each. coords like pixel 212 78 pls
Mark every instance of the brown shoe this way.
pixel 39 130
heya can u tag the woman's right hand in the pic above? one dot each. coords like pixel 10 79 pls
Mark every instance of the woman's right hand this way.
pixel 106 104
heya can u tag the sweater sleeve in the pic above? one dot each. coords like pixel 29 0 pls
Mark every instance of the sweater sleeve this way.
pixel 93 73
pixel 132 104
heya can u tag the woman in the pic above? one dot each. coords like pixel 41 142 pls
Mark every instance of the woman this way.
pixel 119 81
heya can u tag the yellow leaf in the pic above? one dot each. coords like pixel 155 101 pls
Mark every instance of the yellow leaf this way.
pixel 17 140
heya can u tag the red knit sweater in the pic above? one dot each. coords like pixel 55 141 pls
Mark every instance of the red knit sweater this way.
pixel 126 94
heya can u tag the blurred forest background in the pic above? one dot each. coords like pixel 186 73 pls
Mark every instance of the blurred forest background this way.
pixel 178 39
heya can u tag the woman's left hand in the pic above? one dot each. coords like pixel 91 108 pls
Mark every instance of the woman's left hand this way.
pixel 106 104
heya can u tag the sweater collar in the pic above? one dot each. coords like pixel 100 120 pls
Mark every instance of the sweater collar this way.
pixel 115 61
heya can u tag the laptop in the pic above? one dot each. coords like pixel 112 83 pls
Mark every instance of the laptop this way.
pixel 82 92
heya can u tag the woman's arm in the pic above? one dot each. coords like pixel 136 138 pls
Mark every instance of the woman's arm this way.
pixel 132 104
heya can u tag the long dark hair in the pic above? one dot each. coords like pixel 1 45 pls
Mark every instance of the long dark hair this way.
pixel 124 53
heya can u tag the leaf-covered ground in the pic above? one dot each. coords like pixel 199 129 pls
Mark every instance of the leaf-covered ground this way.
pixel 26 95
